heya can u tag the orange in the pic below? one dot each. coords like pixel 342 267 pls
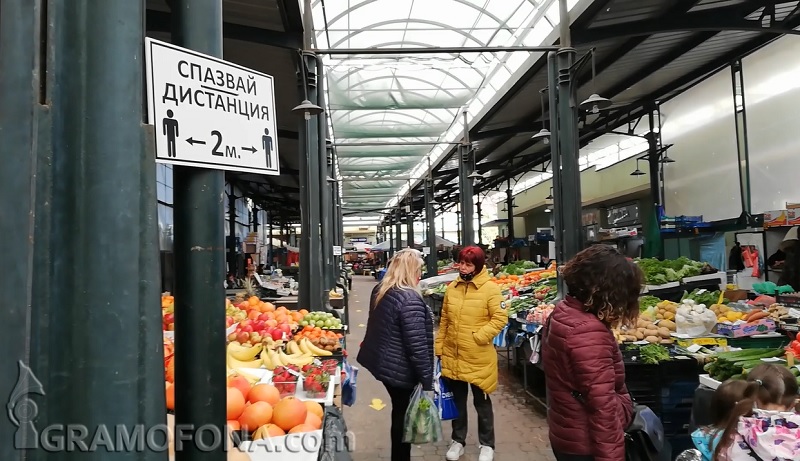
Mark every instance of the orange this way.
pixel 264 393
pixel 256 415
pixel 315 408
pixel 234 403
pixel 253 300
pixel 300 428
pixel 170 389
pixel 289 412
pixel 268 430
pixel 313 421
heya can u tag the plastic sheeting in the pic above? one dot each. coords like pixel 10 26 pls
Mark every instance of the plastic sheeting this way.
pixel 409 98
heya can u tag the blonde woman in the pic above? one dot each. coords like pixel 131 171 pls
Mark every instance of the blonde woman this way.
pixel 398 344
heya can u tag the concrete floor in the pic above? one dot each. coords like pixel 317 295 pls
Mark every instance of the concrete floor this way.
pixel 520 432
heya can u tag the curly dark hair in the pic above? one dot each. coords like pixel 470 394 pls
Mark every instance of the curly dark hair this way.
pixel 606 282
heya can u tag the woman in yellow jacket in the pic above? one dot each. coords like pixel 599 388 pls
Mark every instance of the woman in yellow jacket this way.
pixel 473 313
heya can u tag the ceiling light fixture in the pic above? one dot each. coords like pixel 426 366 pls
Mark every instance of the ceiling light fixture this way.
pixel 544 133
pixel 595 103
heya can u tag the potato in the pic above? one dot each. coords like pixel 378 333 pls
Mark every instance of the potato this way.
pixel 651 332
pixel 630 338
pixel 653 339
pixel 639 335
pixel 651 326
pixel 669 324
pixel 664 332
pixel 669 316
pixel 641 323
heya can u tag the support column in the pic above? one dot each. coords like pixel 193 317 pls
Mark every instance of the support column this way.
pixel 326 212
pixel 653 243
pixel 410 222
pixel 391 240
pixel 480 218
pixel 398 229
pixel 459 234
pixel 199 259
pixel 571 204
pixel 555 160
pixel 232 260
pixel 742 146
pixel 510 211
pixel 311 291
pixel 430 237
pixel 270 249
pixel 465 168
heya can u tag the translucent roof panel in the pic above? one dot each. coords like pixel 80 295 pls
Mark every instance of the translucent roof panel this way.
pixel 394 104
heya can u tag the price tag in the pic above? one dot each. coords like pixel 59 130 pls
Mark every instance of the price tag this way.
pixel 772 359
pixel 694 348
pixel 683 357
pixel 641 343
pixel 701 291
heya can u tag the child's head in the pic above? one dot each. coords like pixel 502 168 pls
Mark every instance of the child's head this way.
pixel 769 387
pixel 724 399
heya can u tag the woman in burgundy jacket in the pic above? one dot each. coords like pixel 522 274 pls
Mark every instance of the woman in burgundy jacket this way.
pixel 589 404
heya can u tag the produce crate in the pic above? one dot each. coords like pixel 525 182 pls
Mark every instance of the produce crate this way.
pixel 759 343
pixel 676 421
pixel 678 394
pixel 746 329
pixel 644 384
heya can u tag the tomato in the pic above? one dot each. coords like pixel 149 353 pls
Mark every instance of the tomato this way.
pixel 798 336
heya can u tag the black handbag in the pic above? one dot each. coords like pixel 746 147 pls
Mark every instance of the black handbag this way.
pixel 644 437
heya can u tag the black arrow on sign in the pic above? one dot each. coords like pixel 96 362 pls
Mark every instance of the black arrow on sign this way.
pixel 193 141
pixel 252 150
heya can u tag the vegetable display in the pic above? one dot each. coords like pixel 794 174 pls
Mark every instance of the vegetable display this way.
pixel 736 365
pixel 702 296
pixel 694 319
pixel 646 302
pixel 651 354
pixel 672 270
pixel 518 268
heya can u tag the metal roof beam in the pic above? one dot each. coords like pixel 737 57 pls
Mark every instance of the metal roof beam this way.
pixel 160 21
pixel 710 20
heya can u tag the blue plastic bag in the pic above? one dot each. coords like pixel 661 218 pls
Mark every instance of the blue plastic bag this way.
pixel 349 384
pixel 444 396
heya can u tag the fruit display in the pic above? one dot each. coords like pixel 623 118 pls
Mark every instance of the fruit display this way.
pixel 335 295
pixel 168 312
pixel 778 312
pixel 271 354
pixel 285 379
pixel 794 347
pixel 316 382
pixel 540 313
pixel 263 320
pixel 525 280
pixel 324 339
pixel 726 314
pixel 645 330
pixel 324 320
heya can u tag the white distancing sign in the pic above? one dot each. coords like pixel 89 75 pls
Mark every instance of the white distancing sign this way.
pixel 210 113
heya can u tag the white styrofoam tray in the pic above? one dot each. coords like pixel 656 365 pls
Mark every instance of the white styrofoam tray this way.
pixel 291 447
pixel 708 381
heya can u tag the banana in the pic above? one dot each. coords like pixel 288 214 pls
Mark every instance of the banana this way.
pixel 304 346
pixel 266 360
pixel 316 350
pixel 293 348
pixel 303 360
pixel 250 378
pixel 244 354
pixel 284 359
pixel 238 364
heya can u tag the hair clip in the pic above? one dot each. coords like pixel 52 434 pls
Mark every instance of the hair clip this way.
pixel 760 383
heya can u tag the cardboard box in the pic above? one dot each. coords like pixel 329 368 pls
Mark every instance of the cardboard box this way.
pixel 705 341
pixel 746 329
pixel 735 295
pixel 776 218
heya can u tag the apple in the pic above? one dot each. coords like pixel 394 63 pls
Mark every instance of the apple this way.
pixel 232 337
pixel 263 317
pixel 228 321
pixel 244 323
pixel 243 337
pixel 284 327
pixel 263 333
pixel 247 328
pixel 277 335
pixel 169 318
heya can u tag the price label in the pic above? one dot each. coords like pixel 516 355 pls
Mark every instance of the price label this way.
pixel 694 348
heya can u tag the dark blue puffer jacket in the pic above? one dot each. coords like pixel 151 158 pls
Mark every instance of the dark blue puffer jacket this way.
pixel 398 344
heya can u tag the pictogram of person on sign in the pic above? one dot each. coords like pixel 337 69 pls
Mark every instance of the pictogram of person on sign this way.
pixel 266 143
pixel 170 126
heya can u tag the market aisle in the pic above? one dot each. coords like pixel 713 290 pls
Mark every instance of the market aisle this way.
pixel 521 433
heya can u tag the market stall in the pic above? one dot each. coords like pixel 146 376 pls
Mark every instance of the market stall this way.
pixel 286 370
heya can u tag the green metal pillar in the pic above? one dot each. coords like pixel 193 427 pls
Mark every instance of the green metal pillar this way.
pixel 430 237
pixel 78 231
pixel 391 239
pixel 199 260
pixel 410 221
pixel 653 242
pixel 233 266
pixel 325 211
pixel 398 229
pixel 571 204
pixel 480 218
pixel 510 212
pixel 311 260
pixel 466 166
pixel 742 145
pixel 555 158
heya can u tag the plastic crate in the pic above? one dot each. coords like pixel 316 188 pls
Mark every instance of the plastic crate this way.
pixel 678 394
pixel 676 421
pixel 759 343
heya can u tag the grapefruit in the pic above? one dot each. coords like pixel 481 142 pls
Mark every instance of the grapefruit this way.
pixel 314 407
pixel 239 382
pixel 256 415
pixel 268 430
pixel 235 403
pixel 264 393
pixel 170 396
pixel 313 421
pixel 289 412
pixel 300 428
pixel 234 425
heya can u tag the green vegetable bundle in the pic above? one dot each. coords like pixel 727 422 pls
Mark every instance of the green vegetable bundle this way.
pixel 729 365
pixel 647 301
pixel 652 354
pixel 671 270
